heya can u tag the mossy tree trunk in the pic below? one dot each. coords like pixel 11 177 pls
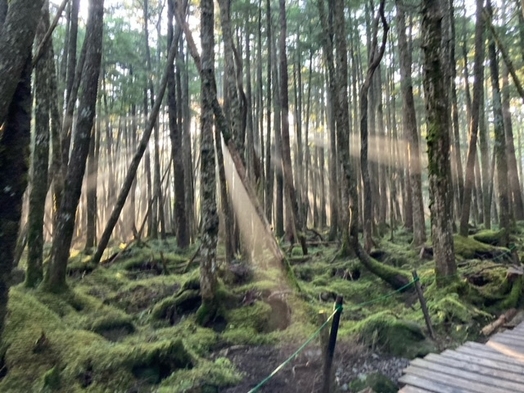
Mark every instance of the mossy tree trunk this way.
pixel 438 140
pixel 35 234
pixel 56 280
pixel 478 95
pixel 347 184
pixel 410 124
pixel 209 230
pixel 500 142
pixel 18 23
pixel 175 132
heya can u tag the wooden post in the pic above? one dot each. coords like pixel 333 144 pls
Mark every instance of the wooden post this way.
pixel 423 304
pixel 328 361
pixel 324 334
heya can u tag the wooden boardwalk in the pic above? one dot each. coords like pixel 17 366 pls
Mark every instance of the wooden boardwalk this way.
pixel 494 367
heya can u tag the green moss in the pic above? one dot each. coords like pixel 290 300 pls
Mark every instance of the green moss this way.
pixel 209 376
pixel 51 380
pixel 469 248
pixel 394 336
pixel 377 382
pixel 512 300
pixel 113 323
pixel 255 316
pixel 451 309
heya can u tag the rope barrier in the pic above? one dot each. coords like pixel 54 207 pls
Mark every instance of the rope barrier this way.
pixel 313 336
pixel 317 332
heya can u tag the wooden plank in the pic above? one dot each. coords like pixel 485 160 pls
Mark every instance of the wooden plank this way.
pixel 461 379
pixel 509 341
pixel 413 389
pixel 458 383
pixel 507 350
pixel 466 358
pixel 518 337
pixel 436 362
pixel 431 385
pixel 487 353
pixel 505 354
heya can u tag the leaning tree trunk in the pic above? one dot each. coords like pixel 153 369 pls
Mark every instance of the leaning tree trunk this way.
pixel 56 280
pixel 133 166
pixel 438 140
pixel 478 95
pixel 500 142
pixel 209 230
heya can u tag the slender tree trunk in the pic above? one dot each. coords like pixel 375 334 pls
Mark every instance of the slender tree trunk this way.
pixel 438 140
pixel 376 55
pixel 91 185
pixel 56 280
pixel 500 142
pixel 478 72
pixel 39 176
pixel 513 175
pixel 290 192
pixel 410 124
pixel 208 279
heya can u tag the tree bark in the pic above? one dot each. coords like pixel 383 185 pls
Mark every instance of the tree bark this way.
pixel 56 280
pixel 438 140
pixel 209 230
pixel 16 39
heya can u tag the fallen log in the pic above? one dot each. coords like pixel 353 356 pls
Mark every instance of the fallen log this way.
pixel 503 319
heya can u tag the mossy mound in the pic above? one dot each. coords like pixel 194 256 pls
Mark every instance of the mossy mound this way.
pixel 489 236
pixel 113 326
pixel 450 309
pixel 174 307
pixel 469 248
pixel 392 335
pixel 377 382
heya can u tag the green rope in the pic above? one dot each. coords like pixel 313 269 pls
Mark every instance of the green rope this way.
pixel 313 336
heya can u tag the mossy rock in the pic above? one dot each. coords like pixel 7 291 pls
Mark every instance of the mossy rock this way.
pixel 378 382
pixel 51 380
pixel 392 335
pixel 255 316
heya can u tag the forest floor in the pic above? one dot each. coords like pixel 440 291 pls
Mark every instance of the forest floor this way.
pixel 129 325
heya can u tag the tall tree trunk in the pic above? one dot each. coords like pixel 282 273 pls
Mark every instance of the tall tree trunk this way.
pixel 39 176
pixel 291 194
pixel 209 231
pixel 500 141
pixel 376 54
pixel 175 132
pixel 478 72
pixel 269 167
pixel 91 185
pixel 56 280
pixel 410 124
pixel 438 140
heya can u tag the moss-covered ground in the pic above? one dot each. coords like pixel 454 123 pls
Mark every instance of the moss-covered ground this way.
pixel 130 324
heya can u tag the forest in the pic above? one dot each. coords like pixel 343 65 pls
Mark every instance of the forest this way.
pixel 186 187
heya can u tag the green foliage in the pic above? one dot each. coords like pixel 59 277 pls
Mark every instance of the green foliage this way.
pixel 450 309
